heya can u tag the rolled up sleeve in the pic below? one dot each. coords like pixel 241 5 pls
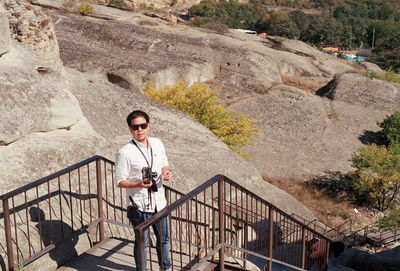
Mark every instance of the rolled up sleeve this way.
pixel 121 168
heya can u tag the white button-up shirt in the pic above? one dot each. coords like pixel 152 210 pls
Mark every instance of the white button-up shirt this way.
pixel 128 166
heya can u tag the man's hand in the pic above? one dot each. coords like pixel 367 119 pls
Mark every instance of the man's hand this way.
pixel 128 184
pixel 143 184
pixel 166 173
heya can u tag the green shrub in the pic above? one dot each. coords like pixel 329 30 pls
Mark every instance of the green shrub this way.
pixel 173 3
pixel 376 181
pixel 390 133
pixel 117 4
pixel 391 221
pixel 389 76
pixel 85 8
pixel 201 103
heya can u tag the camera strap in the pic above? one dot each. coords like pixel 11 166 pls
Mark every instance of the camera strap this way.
pixel 151 154
pixel 149 165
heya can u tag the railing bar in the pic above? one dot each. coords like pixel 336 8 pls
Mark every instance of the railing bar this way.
pixel 39 218
pixel 61 211
pixel 113 192
pixel 106 188
pixel 293 250
pixel 230 212
pixel 149 248
pixel 244 226
pixel 270 238
pixel 190 226
pixel 254 246
pixel 70 202
pixel 171 246
pixel 205 220
pixel 198 238
pixel 265 238
pixel 15 228
pixel 27 225
pixel 236 217
pixel 161 246
pixel 180 234
pixel 122 209
pixel 100 200
pixel 7 231
pixel 213 221
pixel 90 199
pixel 223 213
pixel 221 199
pixel 50 214
pixel 80 194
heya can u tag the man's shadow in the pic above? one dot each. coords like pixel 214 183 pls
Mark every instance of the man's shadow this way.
pixel 58 233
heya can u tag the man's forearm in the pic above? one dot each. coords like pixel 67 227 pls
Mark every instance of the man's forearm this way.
pixel 127 184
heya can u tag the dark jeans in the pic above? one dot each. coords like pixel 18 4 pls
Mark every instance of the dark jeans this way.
pixel 161 228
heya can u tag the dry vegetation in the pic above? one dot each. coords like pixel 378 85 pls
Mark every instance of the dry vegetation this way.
pixel 303 83
pixel 331 211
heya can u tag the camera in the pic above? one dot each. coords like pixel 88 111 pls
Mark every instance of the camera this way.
pixel 150 176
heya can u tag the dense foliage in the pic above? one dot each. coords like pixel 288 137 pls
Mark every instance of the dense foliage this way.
pixel 390 133
pixel 391 221
pixel 201 103
pixel 376 181
pixel 346 23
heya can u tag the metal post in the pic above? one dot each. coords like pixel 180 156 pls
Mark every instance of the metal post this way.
pixel 271 236
pixel 139 235
pixel 327 254
pixel 245 244
pixel 221 198
pixel 303 248
pixel 7 228
pixel 100 199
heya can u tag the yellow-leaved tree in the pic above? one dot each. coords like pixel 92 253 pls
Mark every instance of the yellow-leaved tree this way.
pixel 201 103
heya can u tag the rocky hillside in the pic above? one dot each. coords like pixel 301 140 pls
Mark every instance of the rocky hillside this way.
pixel 108 56
pixel 54 116
pixel 68 82
pixel 302 135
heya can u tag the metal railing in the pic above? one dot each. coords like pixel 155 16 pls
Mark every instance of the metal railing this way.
pixel 219 221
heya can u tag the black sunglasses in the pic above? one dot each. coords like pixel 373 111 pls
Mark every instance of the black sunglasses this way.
pixel 141 125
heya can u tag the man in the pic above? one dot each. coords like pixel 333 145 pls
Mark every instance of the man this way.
pixel 145 196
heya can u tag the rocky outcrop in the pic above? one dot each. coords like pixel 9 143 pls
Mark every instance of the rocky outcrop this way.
pixel 358 90
pixel 301 135
pixel 53 117
pixel 4 32
pixel 32 27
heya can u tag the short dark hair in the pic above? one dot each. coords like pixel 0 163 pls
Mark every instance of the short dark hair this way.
pixel 135 114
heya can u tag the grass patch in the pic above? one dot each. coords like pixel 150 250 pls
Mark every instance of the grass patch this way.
pixel 389 76
pixel 331 211
pixel 300 82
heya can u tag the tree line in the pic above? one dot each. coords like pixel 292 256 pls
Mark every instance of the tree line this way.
pixel 347 23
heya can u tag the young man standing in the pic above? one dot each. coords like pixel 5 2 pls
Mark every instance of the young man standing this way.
pixel 141 157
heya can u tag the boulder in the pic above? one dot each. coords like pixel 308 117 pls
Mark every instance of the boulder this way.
pixel 365 92
pixel 31 26
pixel 302 135
pixel 4 32
pixel 34 97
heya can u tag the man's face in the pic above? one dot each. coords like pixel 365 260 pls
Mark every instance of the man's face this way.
pixel 138 132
